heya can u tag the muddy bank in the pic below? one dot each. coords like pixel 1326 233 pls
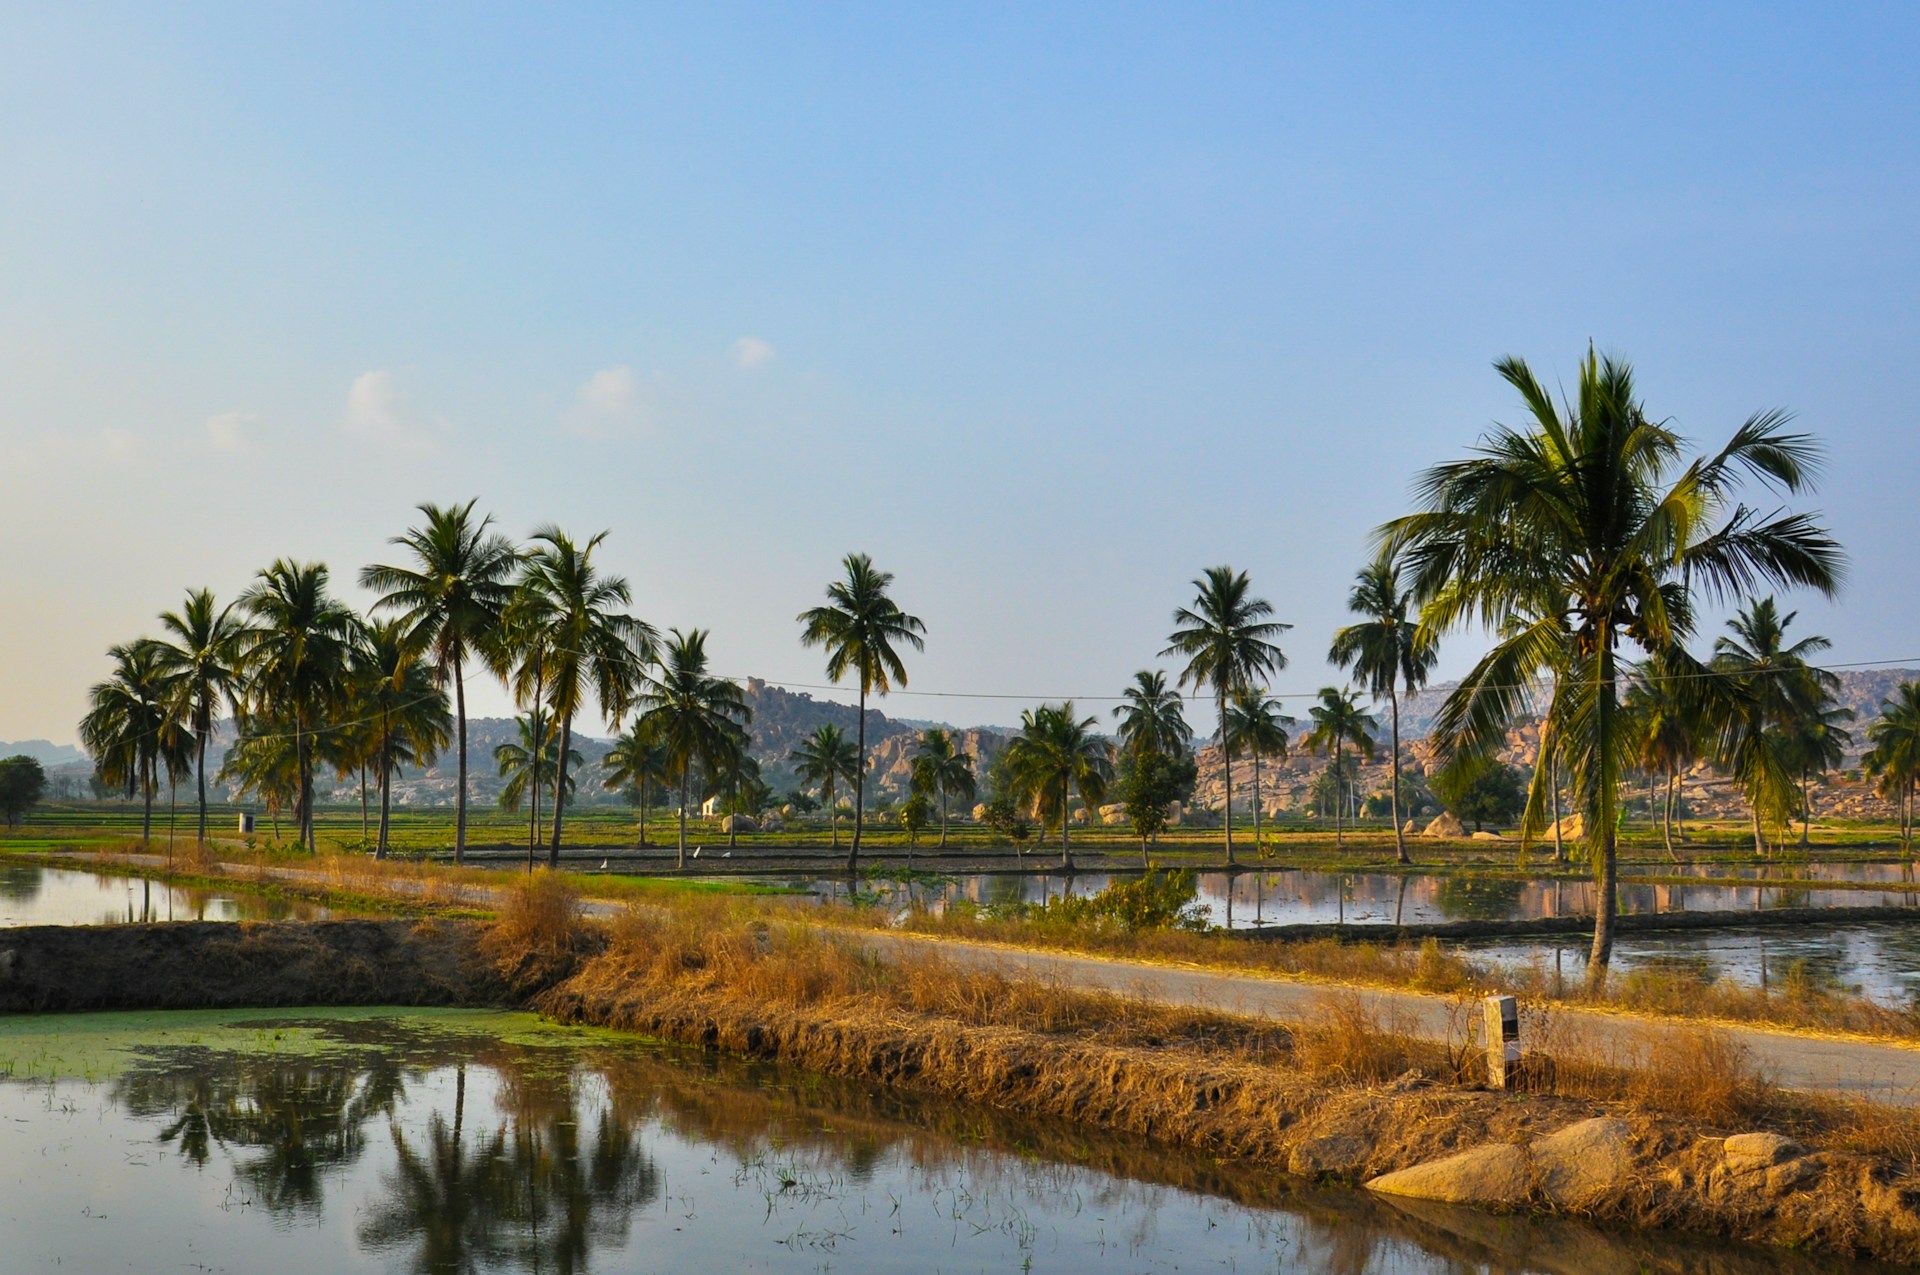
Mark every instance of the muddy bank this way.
pixel 1631 923
pixel 211 965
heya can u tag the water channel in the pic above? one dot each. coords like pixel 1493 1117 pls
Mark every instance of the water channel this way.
pixel 370 1140
pixel 32 894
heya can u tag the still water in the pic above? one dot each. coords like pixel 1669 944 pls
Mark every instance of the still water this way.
pixel 34 895
pixel 369 1140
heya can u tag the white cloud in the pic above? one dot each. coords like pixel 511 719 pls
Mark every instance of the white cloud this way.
pixel 613 401
pixel 378 409
pixel 750 352
pixel 231 431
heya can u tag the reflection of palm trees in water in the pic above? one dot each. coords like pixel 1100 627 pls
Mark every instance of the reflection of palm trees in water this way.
pixel 527 1193
pixel 291 1121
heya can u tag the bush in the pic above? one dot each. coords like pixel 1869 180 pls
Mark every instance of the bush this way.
pixel 1159 900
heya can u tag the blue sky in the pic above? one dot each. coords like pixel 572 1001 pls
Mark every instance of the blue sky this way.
pixel 1045 310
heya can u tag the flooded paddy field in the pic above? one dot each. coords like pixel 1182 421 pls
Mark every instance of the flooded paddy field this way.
pixel 34 894
pixel 409 1140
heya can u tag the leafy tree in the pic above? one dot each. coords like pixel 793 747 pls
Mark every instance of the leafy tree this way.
pixel 1817 742
pixel 22 784
pixel 1388 653
pixel 1227 640
pixel 1481 790
pixel 941 769
pixel 1055 755
pixel 592 645
pixel 450 599
pixel 1578 531
pixel 636 764
pixel 530 765
pixel 1256 726
pixel 405 715
pixel 1766 691
pixel 1147 784
pixel 1004 816
pixel 915 813
pixel 1665 708
pixel 200 663
pixel 1894 757
pixel 823 759
pixel 128 720
pixel 1151 716
pixel 697 718
pixel 1338 721
pixel 860 627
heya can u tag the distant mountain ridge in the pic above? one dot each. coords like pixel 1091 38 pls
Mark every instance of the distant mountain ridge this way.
pixel 46 752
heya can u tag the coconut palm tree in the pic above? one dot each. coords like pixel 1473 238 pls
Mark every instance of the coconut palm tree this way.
pixel 199 663
pixel 1766 687
pixel 1664 706
pixel 263 762
pixel 450 598
pixel 1388 653
pixel 1337 722
pixel 1895 756
pixel 295 658
pixel 529 765
pixel 697 718
pixel 1056 754
pixel 128 724
pixel 736 772
pixel 590 643
pixel 942 769
pixel 822 760
pixel 1151 716
pixel 1578 531
pixel 406 715
pixel 637 763
pixel 1817 742
pixel 861 627
pixel 1228 642
pixel 1257 727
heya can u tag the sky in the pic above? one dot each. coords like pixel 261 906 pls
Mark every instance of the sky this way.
pixel 1047 308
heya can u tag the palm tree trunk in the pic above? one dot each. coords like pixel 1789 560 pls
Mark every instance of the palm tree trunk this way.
pixel 1066 811
pixel 1399 833
pixel 1759 838
pixel 833 814
pixel 686 772
pixel 363 805
pixel 644 794
pixel 1598 821
pixel 943 818
pixel 386 798
pixel 1256 803
pixel 1339 800
pixel 1553 778
pixel 303 753
pixel 1673 780
pixel 460 794
pixel 201 778
pixel 146 812
pixel 560 790
pixel 1806 808
pixel 859 784
pixel 1226 753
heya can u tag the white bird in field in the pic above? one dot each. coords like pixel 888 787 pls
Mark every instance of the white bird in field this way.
pixel 603 865
pixel 726 854
pixel 696 852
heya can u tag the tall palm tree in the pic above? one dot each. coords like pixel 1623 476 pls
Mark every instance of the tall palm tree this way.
pixel 1228 642
pixel 295 658
pixel 1151 716
pixel 942 769
pixel 127 724
pixel 637 763
pixel 1055 754
pixel 530 765
pixel 1388 653
pixel 450 598
pixel 860 627
pixel 198 662
pixel 1766 687
pixel 406 715
pixel 1817 742
pixel 1665 706
pixel 1256 726
pixel 1578 531
pixel 591 644
pixel 263 762
pixel 736 772
pixel 1337 722
pixel 697 718
pixel 823 759
pixel 1895 755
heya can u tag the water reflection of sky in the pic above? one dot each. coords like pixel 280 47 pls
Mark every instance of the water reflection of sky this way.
pixel 482 1156
pixel 31 894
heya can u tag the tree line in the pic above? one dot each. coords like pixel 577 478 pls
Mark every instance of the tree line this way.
pixel 1584 539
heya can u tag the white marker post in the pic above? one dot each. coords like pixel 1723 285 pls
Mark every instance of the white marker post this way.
pixel 1503 1039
